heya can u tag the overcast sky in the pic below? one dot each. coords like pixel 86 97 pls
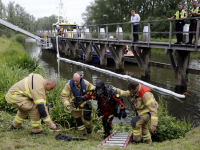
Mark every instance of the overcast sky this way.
pixel 42 8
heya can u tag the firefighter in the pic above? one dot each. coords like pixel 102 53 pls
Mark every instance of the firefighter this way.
pixel 73 98
pixel 146 110
pixel 180 13
pixel 110 105
pixel 29 96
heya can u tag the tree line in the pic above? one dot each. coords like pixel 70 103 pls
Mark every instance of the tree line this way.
pixel 118 11
pixel 17 15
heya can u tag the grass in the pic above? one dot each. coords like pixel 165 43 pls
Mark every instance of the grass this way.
pixel 21 139
pixel 4 43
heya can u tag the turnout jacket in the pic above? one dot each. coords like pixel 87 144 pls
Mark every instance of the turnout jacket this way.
pixel 144 102
pixel 67 95
pixel 31 89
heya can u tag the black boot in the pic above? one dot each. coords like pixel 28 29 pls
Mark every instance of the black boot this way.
pixel 106 135
pixel 13 128
pixel 89 131
pixel 176 43
pixel 189 42
pixel 41 132
pixel 135 142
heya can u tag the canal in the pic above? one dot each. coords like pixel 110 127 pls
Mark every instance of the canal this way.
pixel 190 106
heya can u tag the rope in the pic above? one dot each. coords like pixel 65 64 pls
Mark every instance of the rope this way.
pixel 191 85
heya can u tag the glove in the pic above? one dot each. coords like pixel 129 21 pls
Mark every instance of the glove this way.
pixel 123 113
pixel 84 98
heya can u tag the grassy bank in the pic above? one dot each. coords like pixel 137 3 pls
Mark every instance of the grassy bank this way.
pixel 14 65
pixel 20 139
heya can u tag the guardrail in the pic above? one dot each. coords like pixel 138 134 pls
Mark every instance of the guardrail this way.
pixel 16 28
pixel 106 31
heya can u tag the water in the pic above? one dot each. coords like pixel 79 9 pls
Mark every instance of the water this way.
pixel 190 106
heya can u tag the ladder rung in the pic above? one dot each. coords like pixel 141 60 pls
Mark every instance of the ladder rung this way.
pixel 117 142
pixel 113 144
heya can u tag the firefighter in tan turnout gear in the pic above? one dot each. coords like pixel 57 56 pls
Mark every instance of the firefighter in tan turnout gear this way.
pixel 73 98
pixel 29 96
pixel 146 110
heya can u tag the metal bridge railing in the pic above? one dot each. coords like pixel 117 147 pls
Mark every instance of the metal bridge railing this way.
pixel 124 31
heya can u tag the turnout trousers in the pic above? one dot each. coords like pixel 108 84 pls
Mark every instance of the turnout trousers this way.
pixel 83 118
pixel 25 108
pixel 140 130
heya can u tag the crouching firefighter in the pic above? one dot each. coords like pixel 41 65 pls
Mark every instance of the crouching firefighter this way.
pixel 73 98
pixel 29 96
pixel 146 110
pixel 110 105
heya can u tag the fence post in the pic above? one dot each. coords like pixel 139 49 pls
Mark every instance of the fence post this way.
pixel 98 33
pixel 118 32
pixel 107 32
pixel 91 32
pixel 197 35
pixel 149 34
pixel 132 32
pixel 170 34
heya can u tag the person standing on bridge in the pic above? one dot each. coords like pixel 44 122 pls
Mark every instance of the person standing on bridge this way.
pixel 181 13
pixel 45 36
pixel 193 22
pixel 29 96
pixel 73 97
pixel 136 19
pixel 146 110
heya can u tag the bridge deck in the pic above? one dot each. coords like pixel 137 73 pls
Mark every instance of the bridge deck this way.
pixel 151 44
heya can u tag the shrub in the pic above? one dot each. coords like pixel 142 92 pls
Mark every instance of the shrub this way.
pixel 20 38
pixel 169 127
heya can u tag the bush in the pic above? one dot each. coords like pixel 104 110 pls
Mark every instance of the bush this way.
pixel 20 38
pixel 169 127
pixel 127 36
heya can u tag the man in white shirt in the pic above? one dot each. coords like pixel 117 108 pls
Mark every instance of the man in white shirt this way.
pixel 136 19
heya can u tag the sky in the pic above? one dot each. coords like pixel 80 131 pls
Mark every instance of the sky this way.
pixel 42 8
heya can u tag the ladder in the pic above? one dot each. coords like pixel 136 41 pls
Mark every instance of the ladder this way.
pixel 117 139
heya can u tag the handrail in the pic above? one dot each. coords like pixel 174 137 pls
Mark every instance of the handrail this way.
pixel 94 30
pixel 150 21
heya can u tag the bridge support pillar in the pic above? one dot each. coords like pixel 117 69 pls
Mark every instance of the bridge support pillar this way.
pixel 73 46
pixel 143 58
pixel 88 54
pixel 62 46
pixel 118 54
pixel 101 53
pixel 146 72
pixel 75 54
pixel 103 59
pixel 53 41
pixel 180 70
pixel 67 52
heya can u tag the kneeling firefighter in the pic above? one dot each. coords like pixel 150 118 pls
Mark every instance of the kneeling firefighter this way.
pixel 146 110
pixel 110 105
pixel 73 98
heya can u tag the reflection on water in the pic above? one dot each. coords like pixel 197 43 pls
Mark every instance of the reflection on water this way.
pixel 190 106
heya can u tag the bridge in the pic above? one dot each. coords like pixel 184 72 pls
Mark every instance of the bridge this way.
pixel 101 37
pixel 16 28
pixel 84 38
